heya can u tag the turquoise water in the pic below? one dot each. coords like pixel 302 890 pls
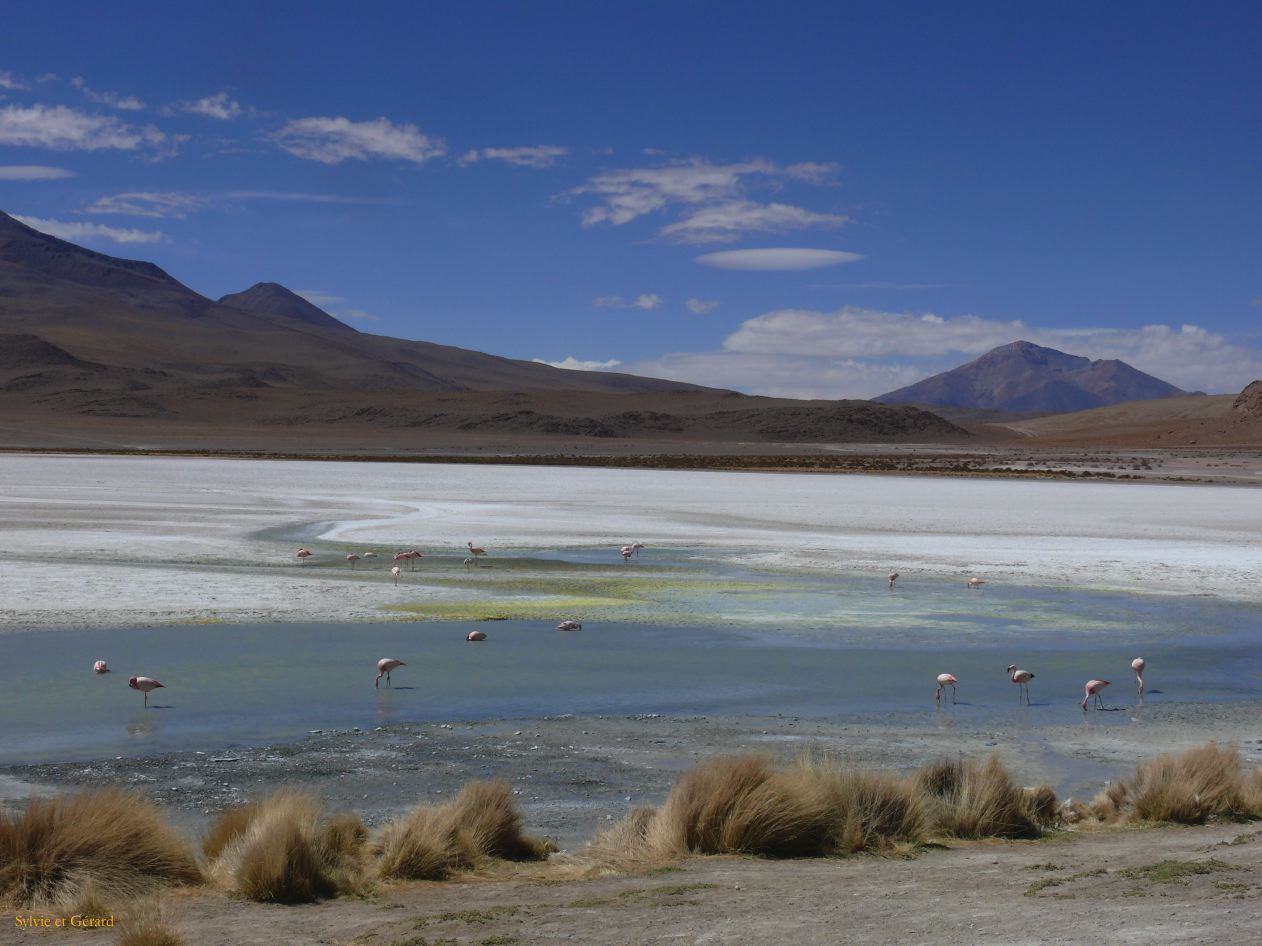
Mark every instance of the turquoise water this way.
pixel 229 685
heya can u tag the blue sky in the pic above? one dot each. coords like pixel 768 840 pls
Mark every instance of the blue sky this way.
pixel 805 199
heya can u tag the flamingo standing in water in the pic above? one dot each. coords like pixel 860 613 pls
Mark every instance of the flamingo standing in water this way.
pixel 1093 688
pixel 893 578
pixel 1022 679
pixel 944 680
pixel 1138 666
pixel 470 563
pixel 475 551
pixel 144 685
pixel 100 667
pixel 384 666
pixel 626 551
pixel 395 572
pixel 352 558
pixel 413 555
pixel 474 636
pixel 976 583
pixel 402 557
pixel 369 555
pixel 303 555
pixel 635 547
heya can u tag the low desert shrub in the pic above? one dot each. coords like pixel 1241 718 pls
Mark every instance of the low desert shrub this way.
pixel 108 845
pixel 968 800
pixel 1188 788
pixel 145 923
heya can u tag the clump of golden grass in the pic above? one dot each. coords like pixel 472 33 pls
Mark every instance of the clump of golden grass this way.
pixel 434 841
pixel 284 849
pixel 109 844
pixel 145 923
pixel 1189 788
pixel 967 800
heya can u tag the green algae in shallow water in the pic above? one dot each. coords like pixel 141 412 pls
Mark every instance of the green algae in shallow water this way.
pixel 506 610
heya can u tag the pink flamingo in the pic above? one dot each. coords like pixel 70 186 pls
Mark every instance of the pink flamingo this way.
pixel 352 558
pixel 569 626
pixel 626 552
pixel 401 557
pixel 1022 679
pixel 976 583
pixel 636 546
pixel 476 636
pixel 470 563
pixel 893 578
pixel 945 680
pixel 100 667
pixel 303 555
pixel 395 572
pixel 1093 688
pixel 144 685
pixel 369 555
pixel 1138 666
pixel 474 550
pixel 413 556
pixel 384 666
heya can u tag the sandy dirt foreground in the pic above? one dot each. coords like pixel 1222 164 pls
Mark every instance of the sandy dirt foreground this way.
pixel 1105 887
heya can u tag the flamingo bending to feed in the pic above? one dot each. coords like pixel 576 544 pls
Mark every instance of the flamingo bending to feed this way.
pixel 369 555
pixel 474 636
pixel 1093 688
pixel 395 572
pixel 474 550
pixel 470 563
pixel 413 555
pixel 976 583
pixel 303 555
pixel 626 552
pixel 1138 666
pixel 100 667
pixel 144 685
pixel 893 578
pixel 569 626
pixel 1022 679
pixel 635 547
pixel 402 557
pixel 352 558
pixel 384 666
pixel 945 680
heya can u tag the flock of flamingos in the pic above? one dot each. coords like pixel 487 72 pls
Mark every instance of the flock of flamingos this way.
pixel 386 665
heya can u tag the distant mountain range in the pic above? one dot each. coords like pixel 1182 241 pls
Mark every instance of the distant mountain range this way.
pixel 99 343
pixel 1024 377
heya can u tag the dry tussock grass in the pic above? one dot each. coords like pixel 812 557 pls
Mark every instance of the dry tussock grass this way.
pixel 284 849
pixel 91 848
pixel 146 923
pixel 967 800
pixel 1188 788
pixel 481 824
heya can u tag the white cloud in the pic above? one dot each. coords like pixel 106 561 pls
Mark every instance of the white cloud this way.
pixel 862 352
pixel 148 204
pixel 66 129
pixel 79 232
pixel 538 156
pixel 11 82
pixel 713 197
pixel 334 140
pixel 648 301
pixel 32 172
pixel 304 197
pixel 359 315
pixel 786 259
pixel 319 297
pixel 218 106
pixel 702 306
pixel 127 103
pixel 573 364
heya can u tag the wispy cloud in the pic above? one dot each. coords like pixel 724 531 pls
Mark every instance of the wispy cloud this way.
pixel 537 156
pixel 219 106
pixel 712 200
pixel 32 172
pixel 884 285
pixel 78 232
pixel 648 301
pixel 790 259
pixel 60 128
pixel 359 315
pixel 319 297
pixel 702 306
pixel 334 140
pixel 856 352
pixel 148 204
pixel 11 82
pixel 574 364
pixel 127 103
pixel 306 197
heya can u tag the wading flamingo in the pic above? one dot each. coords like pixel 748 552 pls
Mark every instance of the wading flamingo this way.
pixel 352 558
pixel 474 550
pixel 395 572
pixel 1138 666
pixel 635 547
pixel 470 563
pixel 303 555
pixel 626 552
pixel 944 680
pixel 893 578
pixel 401 557
pixel 474 636
pixel 1093 688
pixel 569 626
pixel 144 685
pixel 976 583
pixel 384 666
pixel 369 555
pixel 413 555
pixel 1022 679
pixel 100 667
